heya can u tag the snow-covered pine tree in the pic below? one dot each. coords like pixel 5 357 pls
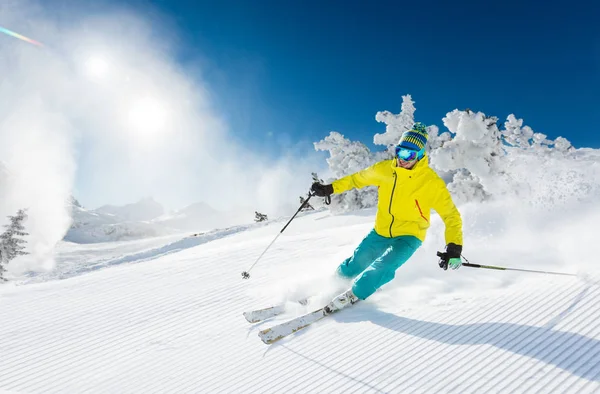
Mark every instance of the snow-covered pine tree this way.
pixel 260 217
pixel 347 157
pixel 517 135
pixel 11 245
pixel 395 124
pixel 398 124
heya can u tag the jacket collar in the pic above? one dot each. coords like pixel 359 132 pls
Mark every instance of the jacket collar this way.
pixel 419 167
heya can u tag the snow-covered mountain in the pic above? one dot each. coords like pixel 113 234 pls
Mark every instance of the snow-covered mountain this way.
pixel 146 218
pixel 202 217
pixel 144 210
pixel 89 226
pixel 165 314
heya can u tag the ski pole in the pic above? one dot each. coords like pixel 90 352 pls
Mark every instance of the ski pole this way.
pixel 493 267
pixel 246 274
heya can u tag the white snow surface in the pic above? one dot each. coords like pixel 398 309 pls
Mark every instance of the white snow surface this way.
pixel 165 314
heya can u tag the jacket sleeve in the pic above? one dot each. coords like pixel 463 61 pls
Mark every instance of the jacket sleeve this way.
pixel 368 177
pixel 445 207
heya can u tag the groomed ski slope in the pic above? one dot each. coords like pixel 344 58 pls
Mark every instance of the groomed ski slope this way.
pixel 173 322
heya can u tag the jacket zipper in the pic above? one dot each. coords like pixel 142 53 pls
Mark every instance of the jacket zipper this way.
pixel 390 208
pixel 421 212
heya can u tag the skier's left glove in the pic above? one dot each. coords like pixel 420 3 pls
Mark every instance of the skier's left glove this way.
pixel 451 258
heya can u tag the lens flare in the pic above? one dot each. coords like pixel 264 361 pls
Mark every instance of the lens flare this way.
pixel 20 37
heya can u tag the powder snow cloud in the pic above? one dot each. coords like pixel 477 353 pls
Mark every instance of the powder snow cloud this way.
pixel 104 110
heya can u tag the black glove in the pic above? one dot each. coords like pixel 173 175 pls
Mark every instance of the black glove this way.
pixel 321 190
pixel 453 251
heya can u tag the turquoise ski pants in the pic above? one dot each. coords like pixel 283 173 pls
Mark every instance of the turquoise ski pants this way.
pixel 375 261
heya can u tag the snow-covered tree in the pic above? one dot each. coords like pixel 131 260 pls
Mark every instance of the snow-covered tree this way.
pixel 11 245
pixel 474 154
pixel 260 217
pixel 517 135
pixel 478 160
pixel 485 162
pixel 395 125
pixel 347 157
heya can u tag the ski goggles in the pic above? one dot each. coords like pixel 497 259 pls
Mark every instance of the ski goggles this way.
pixel 406 154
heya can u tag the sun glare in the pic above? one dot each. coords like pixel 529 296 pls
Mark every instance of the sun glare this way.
pixel 97 67
pixel 148 117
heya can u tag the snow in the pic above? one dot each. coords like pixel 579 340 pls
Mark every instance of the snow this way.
pixel 144 219
pixel 168 316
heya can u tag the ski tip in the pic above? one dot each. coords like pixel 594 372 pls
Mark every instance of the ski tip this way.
pixel 267 337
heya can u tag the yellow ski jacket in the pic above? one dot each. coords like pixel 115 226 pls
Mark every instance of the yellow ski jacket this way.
pixel 406 198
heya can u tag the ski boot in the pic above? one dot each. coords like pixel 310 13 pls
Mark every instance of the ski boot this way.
pixel 340 302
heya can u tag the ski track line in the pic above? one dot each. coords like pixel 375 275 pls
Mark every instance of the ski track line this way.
pixel 436 329
pixel 371 345
pixel 158 312
pixel 501 336
pixel 522 369
pixel 376 346
pixel 209 385
pixel 193 303
pixel 129 343
pixel 183 371
pixel 141 256
pixel 307 361
pixel 192 323
pixel 299 343
pixel 569 385
pixel 575 345
pixel 129 360
pixel 122 339
pixel 159 275
pixel 373 340
pixel 583 384
pixel 545 311
pixel 456 322
pixel 147 317
pixel 435 343
pixel 348 378
pixel 322 343
pixel 160 279
pixel 186 327
pixel 108 308
pixel 286 355
pixel 528 342
pixel 419 334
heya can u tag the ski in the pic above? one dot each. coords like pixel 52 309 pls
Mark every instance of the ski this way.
pixel 258 315
pixel 279 331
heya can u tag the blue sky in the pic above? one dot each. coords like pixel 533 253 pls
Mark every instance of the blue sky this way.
pixel 279 75
pixel 301 69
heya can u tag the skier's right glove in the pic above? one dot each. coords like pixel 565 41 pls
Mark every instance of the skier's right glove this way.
pixel 321 190
pixel 451 257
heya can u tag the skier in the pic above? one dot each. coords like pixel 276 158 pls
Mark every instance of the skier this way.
pixel 407 191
